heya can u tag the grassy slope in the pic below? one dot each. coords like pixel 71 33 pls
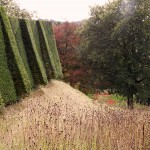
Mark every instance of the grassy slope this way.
pixel 58 116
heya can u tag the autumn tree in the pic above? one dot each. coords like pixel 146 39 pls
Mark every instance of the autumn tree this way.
pixel 117 47
pixel 65 36
pixel 67 43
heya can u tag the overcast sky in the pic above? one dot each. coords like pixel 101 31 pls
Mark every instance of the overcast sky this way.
pixel 60 10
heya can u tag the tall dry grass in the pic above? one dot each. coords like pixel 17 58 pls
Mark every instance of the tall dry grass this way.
pixel 45 124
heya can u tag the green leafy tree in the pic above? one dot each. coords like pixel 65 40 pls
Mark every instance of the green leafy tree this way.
pixel 13 10
pixel 117 38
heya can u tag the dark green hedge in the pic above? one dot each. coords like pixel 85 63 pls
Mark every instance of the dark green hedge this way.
pixel 45 51
pixel 36 36
pixel 51 47
pixel 28 56
pixel 15 63
pixel 15 24
pixel 34 59
pixel 7 89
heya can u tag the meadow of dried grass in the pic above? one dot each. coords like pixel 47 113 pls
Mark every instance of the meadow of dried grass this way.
pixel 58 117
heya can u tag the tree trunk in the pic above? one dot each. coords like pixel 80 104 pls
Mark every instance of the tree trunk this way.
pixel 130 102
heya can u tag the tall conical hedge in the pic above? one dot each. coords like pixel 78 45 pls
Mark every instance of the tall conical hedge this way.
pixel 15 24
pixel 34 58
pixel 49 44
pixel 39 44
pixel 7 89
pixel 45 52
pixel 53 47
pixel 36 37
pixel 14 60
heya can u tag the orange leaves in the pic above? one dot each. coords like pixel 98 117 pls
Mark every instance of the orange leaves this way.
pixel 111 102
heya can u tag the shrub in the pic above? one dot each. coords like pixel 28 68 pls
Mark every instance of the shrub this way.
pixel 36 37
pixel 51 43
pixel 15 63
pixel 33 56
pixel 45 51
pixel 7 89
pixel 42 48
pixel 15 24
pixel 1 104
pixel 53 47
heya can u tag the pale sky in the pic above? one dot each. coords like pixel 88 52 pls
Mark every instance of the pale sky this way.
pixel 60 10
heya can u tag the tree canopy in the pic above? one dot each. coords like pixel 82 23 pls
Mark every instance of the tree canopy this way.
pixel 117 47
pixel 13 9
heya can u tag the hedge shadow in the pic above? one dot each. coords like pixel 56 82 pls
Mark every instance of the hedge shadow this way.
pixel 34 59
pixel 7 89
pixel 15 24
pixel 45 29
pixel 14 60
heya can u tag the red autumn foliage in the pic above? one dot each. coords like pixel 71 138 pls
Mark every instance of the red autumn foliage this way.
pixel 111 102
pixel 67 42
pixel 66 38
